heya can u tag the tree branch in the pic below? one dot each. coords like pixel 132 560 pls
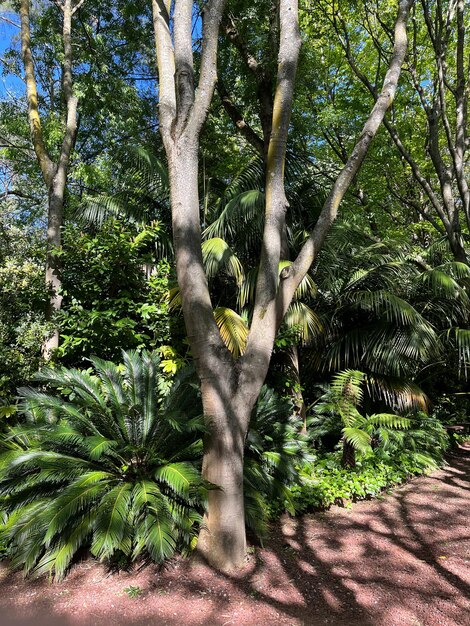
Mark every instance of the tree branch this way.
pixel 264 324
pixel 208 75
pixel 264 80
pixel 166 66
pixel 233 35
pixel 45 162
pixel 77 6
pixel 461 96
pixel 184 72
pixel 237 118
pixel 292 276
pixel 71 100
pixel 8 21
pixel 430 114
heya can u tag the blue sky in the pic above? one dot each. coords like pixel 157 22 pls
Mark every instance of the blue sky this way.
pixel 9 35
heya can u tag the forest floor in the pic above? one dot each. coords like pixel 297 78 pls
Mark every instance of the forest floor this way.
pixel 401 560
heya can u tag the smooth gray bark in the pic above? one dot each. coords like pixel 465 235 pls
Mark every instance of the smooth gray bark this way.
pixel 230 388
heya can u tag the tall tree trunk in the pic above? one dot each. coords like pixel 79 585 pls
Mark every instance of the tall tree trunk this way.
pixel 229 388
pixel 54 174
pixel 55 220
pixel 222 539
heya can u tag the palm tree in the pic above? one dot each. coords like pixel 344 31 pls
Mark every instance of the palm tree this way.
pixel 105 462
pixel 389 314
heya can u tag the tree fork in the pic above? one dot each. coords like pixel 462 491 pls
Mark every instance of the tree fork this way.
pixel 230 389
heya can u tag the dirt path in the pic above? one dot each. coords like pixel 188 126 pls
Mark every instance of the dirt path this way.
pixel 400 561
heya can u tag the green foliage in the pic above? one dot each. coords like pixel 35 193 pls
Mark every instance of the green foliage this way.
pixel 141 195
pixel 233 329
pixel 337 412
pixel 104 462
pixel 412 453
pixel 326 482
pixel 133 591
pixel 459 438
pixel 390 313
pixel 273 452
pixel 22 304
pixel 109 302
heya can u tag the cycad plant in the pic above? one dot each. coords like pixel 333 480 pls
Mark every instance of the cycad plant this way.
pixel 337 412
pixel 274 450
pixel 106 463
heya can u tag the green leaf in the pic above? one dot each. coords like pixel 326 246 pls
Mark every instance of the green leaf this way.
pixel 233 330
pixel 359 439
pixel 111 521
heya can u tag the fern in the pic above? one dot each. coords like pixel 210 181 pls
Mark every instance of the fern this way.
pixel 337 413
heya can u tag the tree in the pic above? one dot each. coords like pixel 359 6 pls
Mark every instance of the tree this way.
pixel 70 53
pixel 54 172
pixel 230 388
pixel 433 143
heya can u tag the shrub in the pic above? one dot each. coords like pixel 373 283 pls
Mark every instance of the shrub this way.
pixel 274 450
pixel 108 302
pixel 401 455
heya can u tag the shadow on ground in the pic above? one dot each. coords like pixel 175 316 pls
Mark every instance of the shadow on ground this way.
pixel 398 561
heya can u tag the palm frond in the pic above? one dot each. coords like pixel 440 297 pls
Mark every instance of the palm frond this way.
pixel 358 438
pixel 246 209
pixel 302 317
pixel 110 524
pixel 346 386
pixel 182 478
pixel 389 420
pixel 116 469
pixel 60 557
pixel 233 330
pixel 247 289
pixel 141 191
pixel 217 255
pixel 399 394
pixel 159 539
pixel 461 337
pixel 78 496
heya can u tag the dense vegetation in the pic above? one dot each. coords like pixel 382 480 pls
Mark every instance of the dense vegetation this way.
pixel 105 431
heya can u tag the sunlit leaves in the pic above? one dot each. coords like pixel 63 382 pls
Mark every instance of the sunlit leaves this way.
pixel 218 256
pixel 233 329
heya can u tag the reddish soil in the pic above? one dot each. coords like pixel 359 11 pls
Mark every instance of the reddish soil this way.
pixel 398 561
